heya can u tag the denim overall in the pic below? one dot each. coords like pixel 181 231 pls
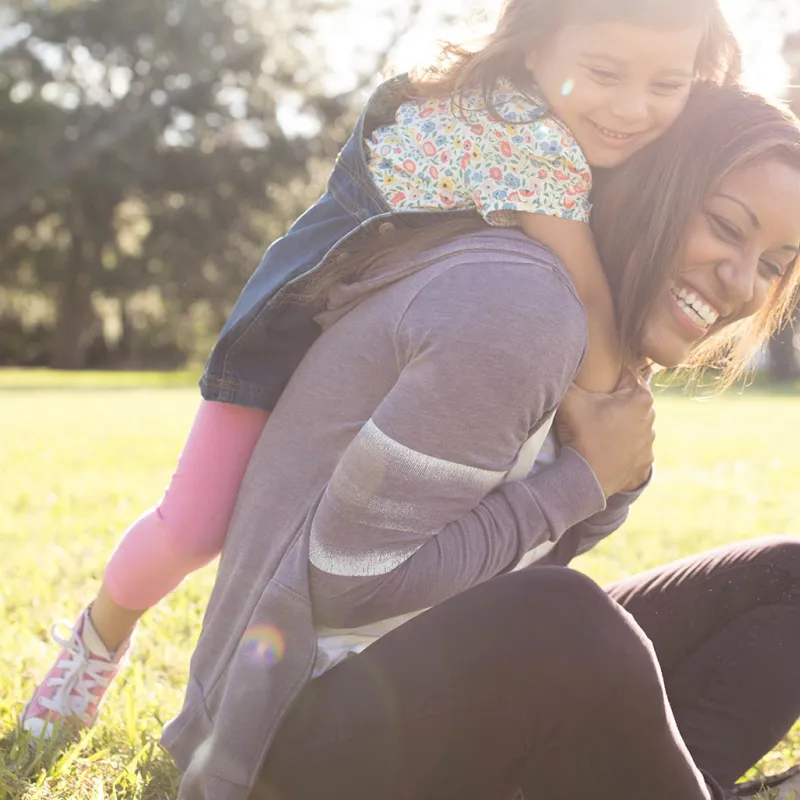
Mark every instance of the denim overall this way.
pixel 267 334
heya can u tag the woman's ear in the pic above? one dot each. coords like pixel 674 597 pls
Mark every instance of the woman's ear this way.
pixel 531 61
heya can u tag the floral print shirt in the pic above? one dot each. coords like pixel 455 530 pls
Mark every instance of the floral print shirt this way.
pixel 437 156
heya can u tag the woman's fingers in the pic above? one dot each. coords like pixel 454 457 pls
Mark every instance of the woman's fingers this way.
pixel 613 432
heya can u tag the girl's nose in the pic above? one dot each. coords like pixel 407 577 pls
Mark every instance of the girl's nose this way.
pixel 631 107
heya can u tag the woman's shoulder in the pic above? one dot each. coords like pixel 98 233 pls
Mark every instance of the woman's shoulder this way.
pixel 503 259
pixel 502 288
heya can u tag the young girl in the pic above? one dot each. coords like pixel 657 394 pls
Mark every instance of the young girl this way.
pixel 508 131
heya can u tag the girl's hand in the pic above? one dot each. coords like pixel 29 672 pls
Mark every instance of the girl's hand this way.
pixel 613 432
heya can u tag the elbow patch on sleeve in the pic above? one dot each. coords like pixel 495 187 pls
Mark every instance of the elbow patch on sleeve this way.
pixel 383 485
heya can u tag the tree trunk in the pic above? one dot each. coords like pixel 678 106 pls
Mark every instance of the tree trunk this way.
pixel 74 308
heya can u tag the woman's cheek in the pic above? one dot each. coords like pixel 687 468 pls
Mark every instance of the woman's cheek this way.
pixel 761 294
pixel 703 247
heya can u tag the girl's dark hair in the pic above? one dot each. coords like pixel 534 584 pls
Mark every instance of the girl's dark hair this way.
pixel 644 209
pixel 524 25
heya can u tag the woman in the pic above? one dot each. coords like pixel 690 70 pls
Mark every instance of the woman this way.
pixel 409 431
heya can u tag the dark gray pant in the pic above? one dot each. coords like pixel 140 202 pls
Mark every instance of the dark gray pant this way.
pixel 538 680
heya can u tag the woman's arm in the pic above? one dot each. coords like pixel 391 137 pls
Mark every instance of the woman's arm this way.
pixel 487 541
pixel 412 513
pixel 601 525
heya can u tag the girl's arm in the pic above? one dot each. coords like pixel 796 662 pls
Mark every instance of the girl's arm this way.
pixel 538 173
pixel 573 242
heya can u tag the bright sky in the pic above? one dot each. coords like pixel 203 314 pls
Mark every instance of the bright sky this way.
pixel 354 35
pixel 758 24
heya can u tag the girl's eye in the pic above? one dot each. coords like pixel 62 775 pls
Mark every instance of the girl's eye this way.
pixel 726 229
pixel 665 87
pixel 603 75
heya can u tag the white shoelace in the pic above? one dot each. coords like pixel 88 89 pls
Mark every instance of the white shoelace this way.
pixel 82 674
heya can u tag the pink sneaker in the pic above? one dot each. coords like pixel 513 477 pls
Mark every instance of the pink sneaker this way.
pixel 73 690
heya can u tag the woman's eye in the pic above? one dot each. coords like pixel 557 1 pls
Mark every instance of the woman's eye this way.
pixel 774 271
pixel 603 75
pixel 726 229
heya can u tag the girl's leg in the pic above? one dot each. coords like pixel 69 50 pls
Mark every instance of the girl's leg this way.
pixel 533 680
pixel 726 629
pixel 187 528
pixel 184 532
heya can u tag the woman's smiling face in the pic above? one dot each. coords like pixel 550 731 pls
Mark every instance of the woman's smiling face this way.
pixel 743 239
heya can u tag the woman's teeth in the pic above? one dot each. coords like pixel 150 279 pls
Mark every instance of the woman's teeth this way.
pixel 698 312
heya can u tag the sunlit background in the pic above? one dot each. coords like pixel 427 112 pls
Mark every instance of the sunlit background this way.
pixel 759 25
pixel 149 152
pixel 206 128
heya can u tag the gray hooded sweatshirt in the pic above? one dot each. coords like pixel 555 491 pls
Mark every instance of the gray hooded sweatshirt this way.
pixel 379 488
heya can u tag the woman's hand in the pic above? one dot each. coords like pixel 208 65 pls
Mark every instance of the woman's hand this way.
pixel 613 432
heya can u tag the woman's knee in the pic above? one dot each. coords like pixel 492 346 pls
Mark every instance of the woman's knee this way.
pixel 773 562
pixel 593 645
pixel 591 620
pixel 574 596
pixel 782 552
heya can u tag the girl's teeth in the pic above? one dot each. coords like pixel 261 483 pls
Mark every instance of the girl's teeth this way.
pixel 613 134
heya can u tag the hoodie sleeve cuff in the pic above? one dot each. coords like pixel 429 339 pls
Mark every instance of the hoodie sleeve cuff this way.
pixel 567 492
pixel 624 499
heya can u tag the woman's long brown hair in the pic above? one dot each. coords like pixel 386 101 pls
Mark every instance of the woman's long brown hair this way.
pixel 644 210
pixel 524 25
pixel 641 218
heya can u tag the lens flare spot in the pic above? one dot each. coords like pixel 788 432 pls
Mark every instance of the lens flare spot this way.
pixel 567 88
pixel 265 643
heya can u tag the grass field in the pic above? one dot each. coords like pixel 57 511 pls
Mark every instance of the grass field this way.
pixel 82 455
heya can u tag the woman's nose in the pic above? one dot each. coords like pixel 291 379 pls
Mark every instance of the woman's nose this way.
pixel 738 278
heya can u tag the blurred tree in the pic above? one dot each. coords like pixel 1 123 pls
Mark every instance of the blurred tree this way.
pixel 149 150
pixel 783 351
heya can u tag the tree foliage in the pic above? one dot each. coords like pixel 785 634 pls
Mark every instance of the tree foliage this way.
pixel 149 150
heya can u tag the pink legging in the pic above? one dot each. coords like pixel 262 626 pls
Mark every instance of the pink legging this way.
pixel 186 529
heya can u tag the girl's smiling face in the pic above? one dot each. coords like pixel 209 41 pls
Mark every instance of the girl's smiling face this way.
pixel 617 86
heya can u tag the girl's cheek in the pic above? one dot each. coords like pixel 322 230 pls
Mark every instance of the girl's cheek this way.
pixel 675 109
